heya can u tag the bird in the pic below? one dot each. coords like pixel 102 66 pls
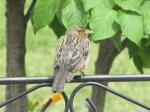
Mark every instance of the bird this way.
pixel 71 56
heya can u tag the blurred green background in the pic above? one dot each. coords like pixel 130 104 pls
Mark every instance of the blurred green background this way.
pixel 39 62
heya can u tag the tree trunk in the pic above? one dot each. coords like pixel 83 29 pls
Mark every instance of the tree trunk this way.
pixel 16 29
pixel 106 56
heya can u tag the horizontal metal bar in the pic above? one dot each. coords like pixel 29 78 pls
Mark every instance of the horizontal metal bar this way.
pixel 25 80
pixel 87 78
pixel 117 78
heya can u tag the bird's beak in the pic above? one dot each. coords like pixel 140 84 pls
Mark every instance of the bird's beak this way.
pixel 89 32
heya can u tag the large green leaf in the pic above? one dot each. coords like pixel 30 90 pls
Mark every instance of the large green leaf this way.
pixel 107 3
pixel 138 63
pixel 131 26
pixel 43 13
pixel 146 14
pixel 140 55
pixel 132 5
pixel 145 52
pixel 102 22
pixel 89 4
pixel 143 58
pixel 73 13
pixel 59 9
pixel 117 40
pixel 57 27
pixel 133 49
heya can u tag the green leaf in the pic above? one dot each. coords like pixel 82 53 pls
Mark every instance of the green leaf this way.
pixel 140 55
pixel 145 56
pixel 59 9
pixel 133 49
pixel 73 14
pixel 132 5
pixel 43 13
pixel 138 63
pixel 57 27
pixel 117 41
pixel 131 26
pixel 32 104
pixel 102 22
pixel 145 52
pixel 146 14
pixel 89 4
pixel 145 42
pixel 107 3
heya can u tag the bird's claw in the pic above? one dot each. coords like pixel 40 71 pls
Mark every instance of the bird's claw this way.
pixel 83 74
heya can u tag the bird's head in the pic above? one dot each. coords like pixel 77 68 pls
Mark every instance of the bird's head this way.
pixel 83 32
pixel 78 31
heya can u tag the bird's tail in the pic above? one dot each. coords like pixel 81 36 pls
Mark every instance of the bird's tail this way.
pixel 59 81
pixel 58 88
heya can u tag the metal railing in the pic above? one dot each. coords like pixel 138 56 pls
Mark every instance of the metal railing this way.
pixel 89 80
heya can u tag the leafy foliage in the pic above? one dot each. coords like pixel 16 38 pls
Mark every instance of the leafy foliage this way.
pixel 131 25
pixel 130 5
pixel 145 9
pixel 73 13
pixel 140 55
pixel 89 4
pixel 106 18
pixel 57 27
pixel 43 13
pixel 102 22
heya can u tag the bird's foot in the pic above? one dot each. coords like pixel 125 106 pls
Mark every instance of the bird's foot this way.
pixel 83 74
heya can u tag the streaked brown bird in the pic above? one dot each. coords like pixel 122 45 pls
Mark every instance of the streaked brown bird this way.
pixel 71 55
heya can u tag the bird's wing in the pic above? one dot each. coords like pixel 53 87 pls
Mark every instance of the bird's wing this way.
pixel 85 45
pixel 76 60
pixel 79 56
pixel 59 52
pixel 58 57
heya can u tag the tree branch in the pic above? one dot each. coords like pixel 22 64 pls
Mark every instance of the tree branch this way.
pixel 29 12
